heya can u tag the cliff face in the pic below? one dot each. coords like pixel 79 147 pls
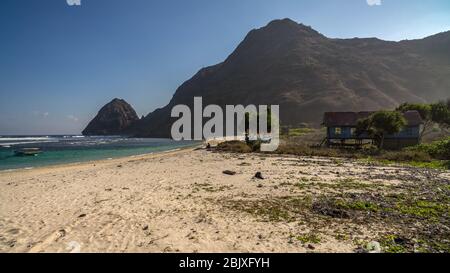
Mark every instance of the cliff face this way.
pixel 115 118
pixel 308 74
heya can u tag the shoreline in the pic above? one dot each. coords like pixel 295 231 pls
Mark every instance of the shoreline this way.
pixel 98 161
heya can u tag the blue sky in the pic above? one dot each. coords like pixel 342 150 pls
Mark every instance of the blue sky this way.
pixel 59 64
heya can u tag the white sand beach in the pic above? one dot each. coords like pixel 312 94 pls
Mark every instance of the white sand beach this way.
pixel 177 201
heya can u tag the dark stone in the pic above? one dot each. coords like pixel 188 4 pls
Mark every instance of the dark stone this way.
pixel 227 172
pixel 328 208
pixel 259 175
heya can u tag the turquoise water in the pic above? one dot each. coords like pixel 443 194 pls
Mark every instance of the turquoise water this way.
pixel 72 149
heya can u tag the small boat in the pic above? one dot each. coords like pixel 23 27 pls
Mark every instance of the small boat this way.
pixel 28 152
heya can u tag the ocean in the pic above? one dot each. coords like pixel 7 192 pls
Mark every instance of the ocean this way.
pixel 71 149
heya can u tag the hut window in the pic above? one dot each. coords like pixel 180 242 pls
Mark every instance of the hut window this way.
pixel 338 130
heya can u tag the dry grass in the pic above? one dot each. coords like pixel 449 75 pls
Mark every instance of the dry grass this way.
pixel 234 146
pixel 413 217
pixel 303 142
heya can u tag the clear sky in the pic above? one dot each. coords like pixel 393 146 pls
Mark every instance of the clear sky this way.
pixel 59 64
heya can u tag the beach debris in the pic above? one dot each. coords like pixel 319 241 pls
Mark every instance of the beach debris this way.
pixel 259 175
pixel 109 189
pixel 145 227
pixel 310 246
pixel 11 243
pixel 82 215
pixel 119 166
pixel 260 185
pixel 73 247
pixel 61 233
pixel 228 172
pixel 373 247
pixel 328 208
pixel 14 231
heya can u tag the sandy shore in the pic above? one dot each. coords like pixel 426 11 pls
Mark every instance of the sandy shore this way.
pixel 174 202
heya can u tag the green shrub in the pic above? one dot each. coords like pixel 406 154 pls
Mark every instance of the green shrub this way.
pixel 371 150
pixel 303 150
pixel 406 156
pixel 234 146
pixel 255 145
pixel 300 131
pixel 438 149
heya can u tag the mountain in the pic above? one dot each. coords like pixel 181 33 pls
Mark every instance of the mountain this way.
pixel 115 118
pixel 307 74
